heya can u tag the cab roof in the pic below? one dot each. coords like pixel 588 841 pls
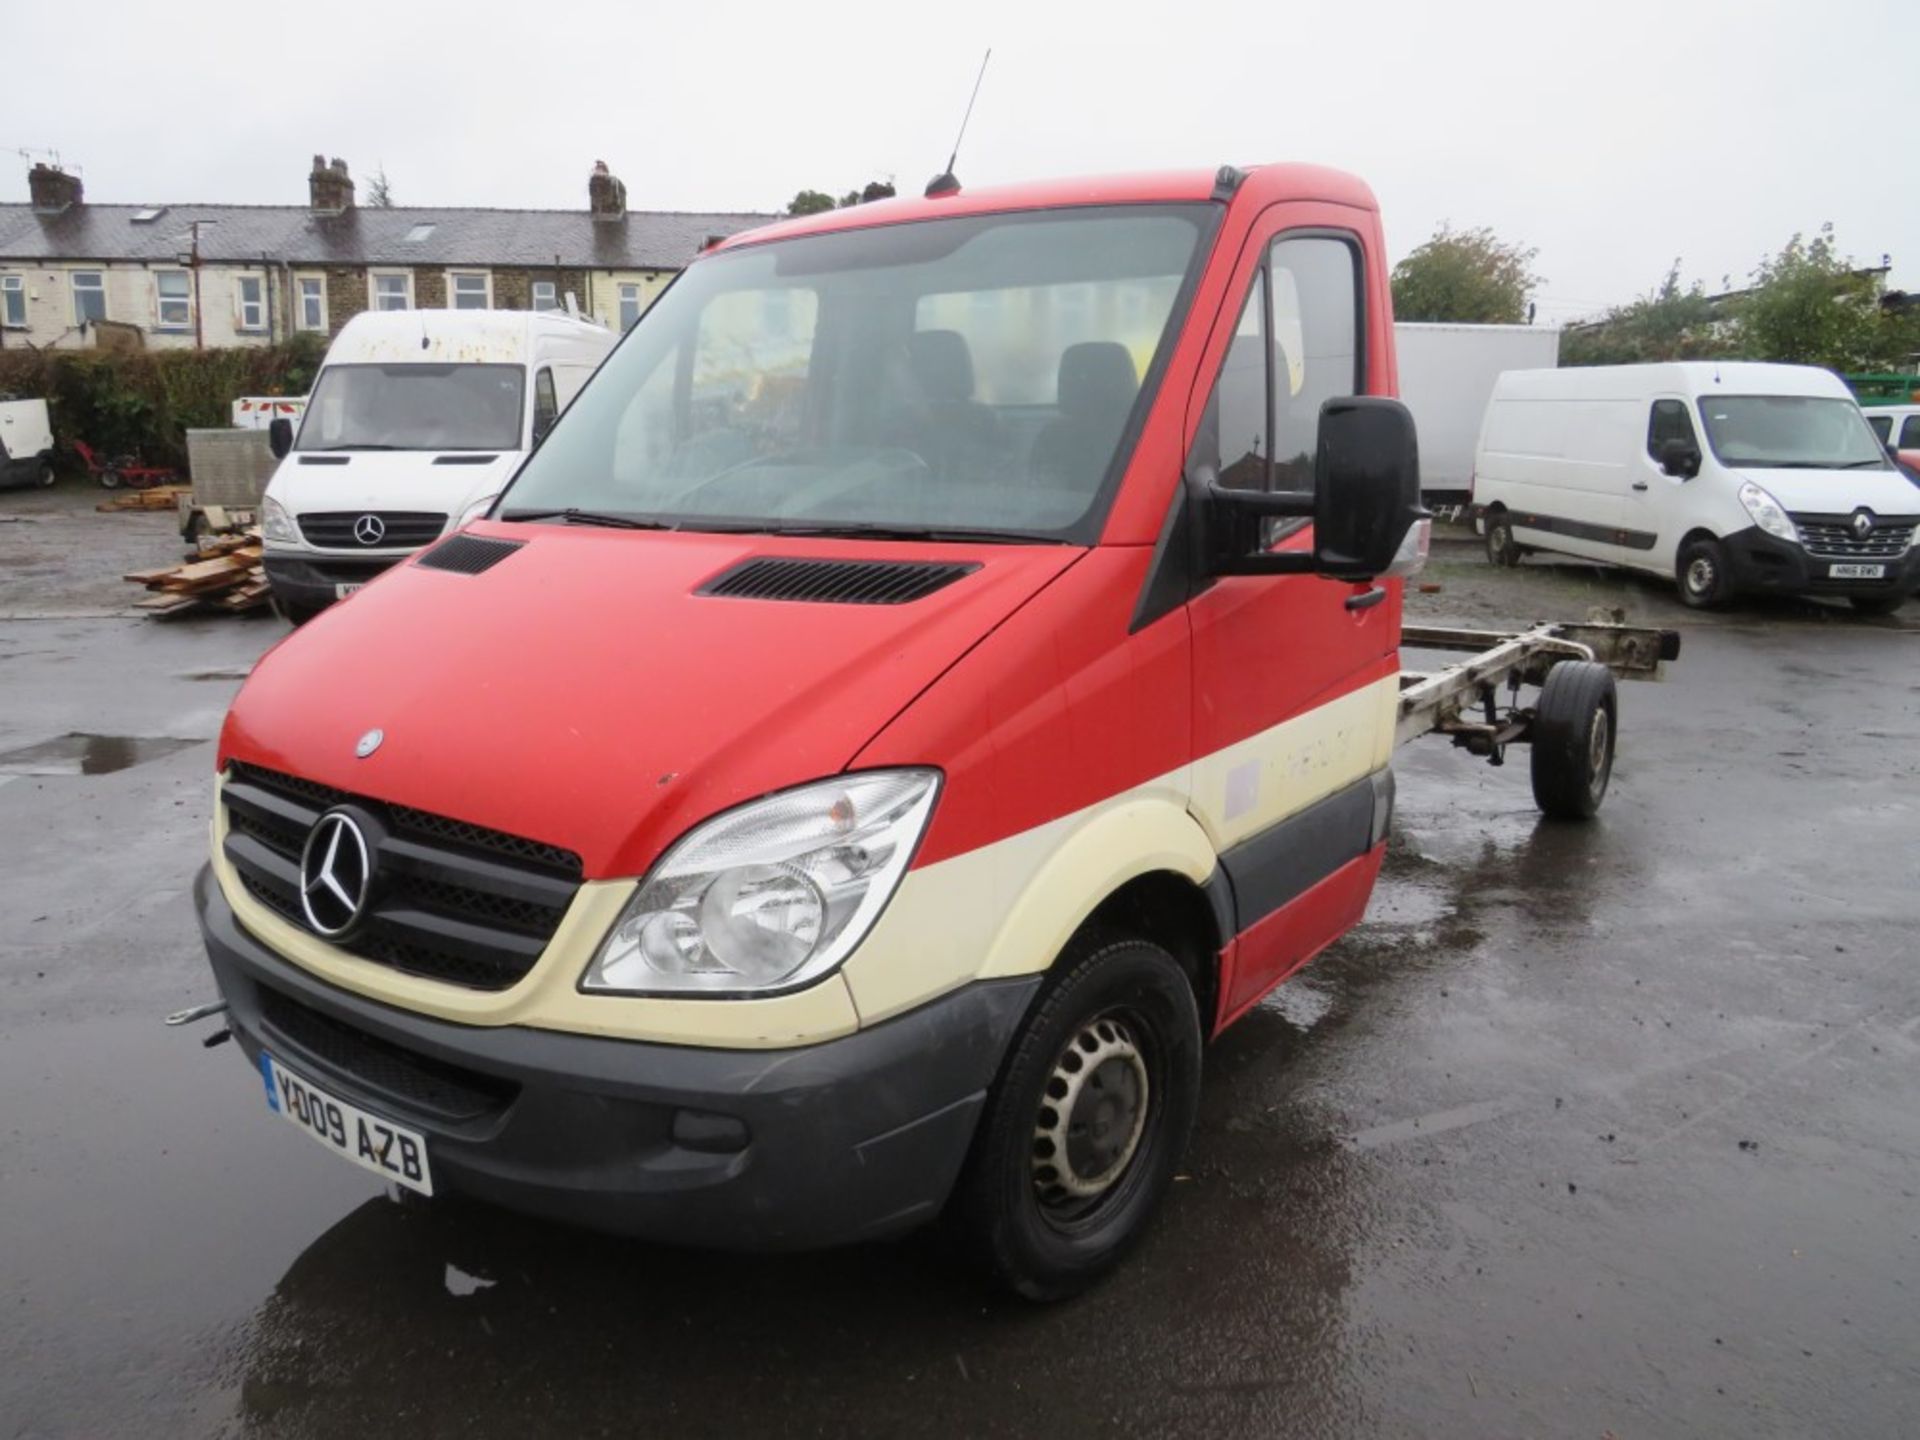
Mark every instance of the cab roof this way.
pixel 468 336
pixel 1259 186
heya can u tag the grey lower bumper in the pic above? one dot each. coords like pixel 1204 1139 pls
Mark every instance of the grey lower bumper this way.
pixel 738 1149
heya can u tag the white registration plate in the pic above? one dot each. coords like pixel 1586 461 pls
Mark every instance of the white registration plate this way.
pixel 1856 572
pixel 390 1151
pixel 341 591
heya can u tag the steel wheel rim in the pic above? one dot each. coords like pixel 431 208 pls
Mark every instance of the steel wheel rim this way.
pixel 1599 741
pixel 1091 1118
pixel 1700 575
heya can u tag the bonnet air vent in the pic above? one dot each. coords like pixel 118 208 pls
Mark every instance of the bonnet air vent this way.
pixel 468 554
pixel 835 582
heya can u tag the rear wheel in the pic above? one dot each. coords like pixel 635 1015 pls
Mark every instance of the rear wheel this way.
pixel 1876 604
pixel 46 476
pixel 1573 739
pixel 1701 570
pixel 110 478
pixel 1502 549
pixel 1089 1119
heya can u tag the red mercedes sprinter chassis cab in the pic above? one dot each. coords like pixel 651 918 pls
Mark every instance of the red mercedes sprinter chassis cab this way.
pixel 940 671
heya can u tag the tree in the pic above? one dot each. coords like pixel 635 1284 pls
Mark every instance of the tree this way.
pixel 379 192
pixel 1667 323
pixel 1468 277
pixel 1809 306
pixel 812 202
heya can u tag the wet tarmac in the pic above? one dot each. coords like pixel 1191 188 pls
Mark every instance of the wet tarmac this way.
pixel 1587 1130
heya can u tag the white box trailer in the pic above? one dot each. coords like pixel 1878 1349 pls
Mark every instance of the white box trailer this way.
pixel 1446 378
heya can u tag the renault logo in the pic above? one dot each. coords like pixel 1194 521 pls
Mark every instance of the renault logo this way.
pixel 1862 524
pixel 369 529
pixel 336 874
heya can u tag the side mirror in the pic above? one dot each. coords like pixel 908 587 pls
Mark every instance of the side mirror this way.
pixel 1366 487
pixel 280 437
pixel 1680 458
pixel 1368 521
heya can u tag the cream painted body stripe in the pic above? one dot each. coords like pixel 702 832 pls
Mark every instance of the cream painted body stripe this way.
pixel 1003 909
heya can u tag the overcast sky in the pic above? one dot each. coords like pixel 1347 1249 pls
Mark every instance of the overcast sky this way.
pixel 1614 135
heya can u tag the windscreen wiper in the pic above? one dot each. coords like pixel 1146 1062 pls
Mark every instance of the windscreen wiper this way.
pixel 574 516
pixel 1865 465
pixel 942 533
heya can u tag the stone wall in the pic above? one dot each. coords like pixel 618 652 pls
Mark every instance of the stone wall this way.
pixel 429 289
pixel 346 295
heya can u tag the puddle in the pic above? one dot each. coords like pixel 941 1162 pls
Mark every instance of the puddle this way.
pixel 87 754
pixel 1302 1005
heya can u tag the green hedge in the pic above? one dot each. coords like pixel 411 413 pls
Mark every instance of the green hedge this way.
pixel 143 402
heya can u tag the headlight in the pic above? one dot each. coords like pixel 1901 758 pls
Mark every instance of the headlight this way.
pixel 276 522
pixel 770 896
pixel 1766 512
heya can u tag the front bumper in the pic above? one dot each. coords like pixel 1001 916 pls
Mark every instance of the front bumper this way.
pixel 311 582
pixel 737 1149
pixel 1761 564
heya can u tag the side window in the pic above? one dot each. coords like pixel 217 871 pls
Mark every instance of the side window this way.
pixel 1238 409
pixel 1910 433
pixel 1316 346
pixel 1669 421
pixel 1882 427
pixel 546 406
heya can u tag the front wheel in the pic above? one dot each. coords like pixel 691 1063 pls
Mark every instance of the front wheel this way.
pixel 46 476
pixel 1088 1121
pixel 1701 569
pixel 1876 604
pixel 1573 738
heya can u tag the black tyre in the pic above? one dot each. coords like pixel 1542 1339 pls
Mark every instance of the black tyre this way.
pixel 46 477
pixel 294 615
pixel 1876 604
pixel 1502 549
pixel 1574 727
pixel 1087 1122
pixel 110 479
pixel 1701 570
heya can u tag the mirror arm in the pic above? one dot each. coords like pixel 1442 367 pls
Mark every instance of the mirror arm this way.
pixel 1261 502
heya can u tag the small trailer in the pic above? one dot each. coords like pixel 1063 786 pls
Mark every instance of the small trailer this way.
pixel 1571 726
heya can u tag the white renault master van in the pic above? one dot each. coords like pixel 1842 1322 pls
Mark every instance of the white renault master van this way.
pixel 416 421
pixel 1732 478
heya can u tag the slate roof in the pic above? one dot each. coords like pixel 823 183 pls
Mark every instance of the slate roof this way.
pixel 657 240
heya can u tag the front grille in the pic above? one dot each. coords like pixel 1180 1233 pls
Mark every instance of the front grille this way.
pixel 456 902
pixel 399 529
pixel 1832 536
pixel 385 1070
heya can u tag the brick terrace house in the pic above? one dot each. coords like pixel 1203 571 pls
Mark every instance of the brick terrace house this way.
pixel 182 275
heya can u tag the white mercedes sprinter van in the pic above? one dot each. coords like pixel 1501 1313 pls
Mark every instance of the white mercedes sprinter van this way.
pixel 1731 477
pixel 416 421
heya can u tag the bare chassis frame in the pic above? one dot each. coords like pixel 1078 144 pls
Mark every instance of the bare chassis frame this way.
pixel 1463 700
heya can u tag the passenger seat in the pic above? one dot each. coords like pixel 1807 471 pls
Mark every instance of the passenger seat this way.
pixel 1096 393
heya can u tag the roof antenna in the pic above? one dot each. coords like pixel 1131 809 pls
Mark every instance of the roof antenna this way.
pixel 946 182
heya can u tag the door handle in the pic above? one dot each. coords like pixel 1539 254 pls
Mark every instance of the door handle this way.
pixel 1367 599
pixel 1639 484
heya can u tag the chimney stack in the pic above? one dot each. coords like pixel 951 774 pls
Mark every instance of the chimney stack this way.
pixel 606 193
pixel 329 187
pixel 52 189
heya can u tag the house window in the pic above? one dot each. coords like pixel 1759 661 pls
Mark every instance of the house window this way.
pixel 313 303
pixel 630 306
pixel 173 295
pixel 13 301
pixel 89 296
pixel 467 292
pixel 393 292
pixel 252 297
pixel 544 295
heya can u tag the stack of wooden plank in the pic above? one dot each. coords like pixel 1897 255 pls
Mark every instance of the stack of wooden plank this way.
pixel 225 575
pixel 159 497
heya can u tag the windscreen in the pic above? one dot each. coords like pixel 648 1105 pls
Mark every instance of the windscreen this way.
pixel 414 407
pixel 1790 432
pixel 972 374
